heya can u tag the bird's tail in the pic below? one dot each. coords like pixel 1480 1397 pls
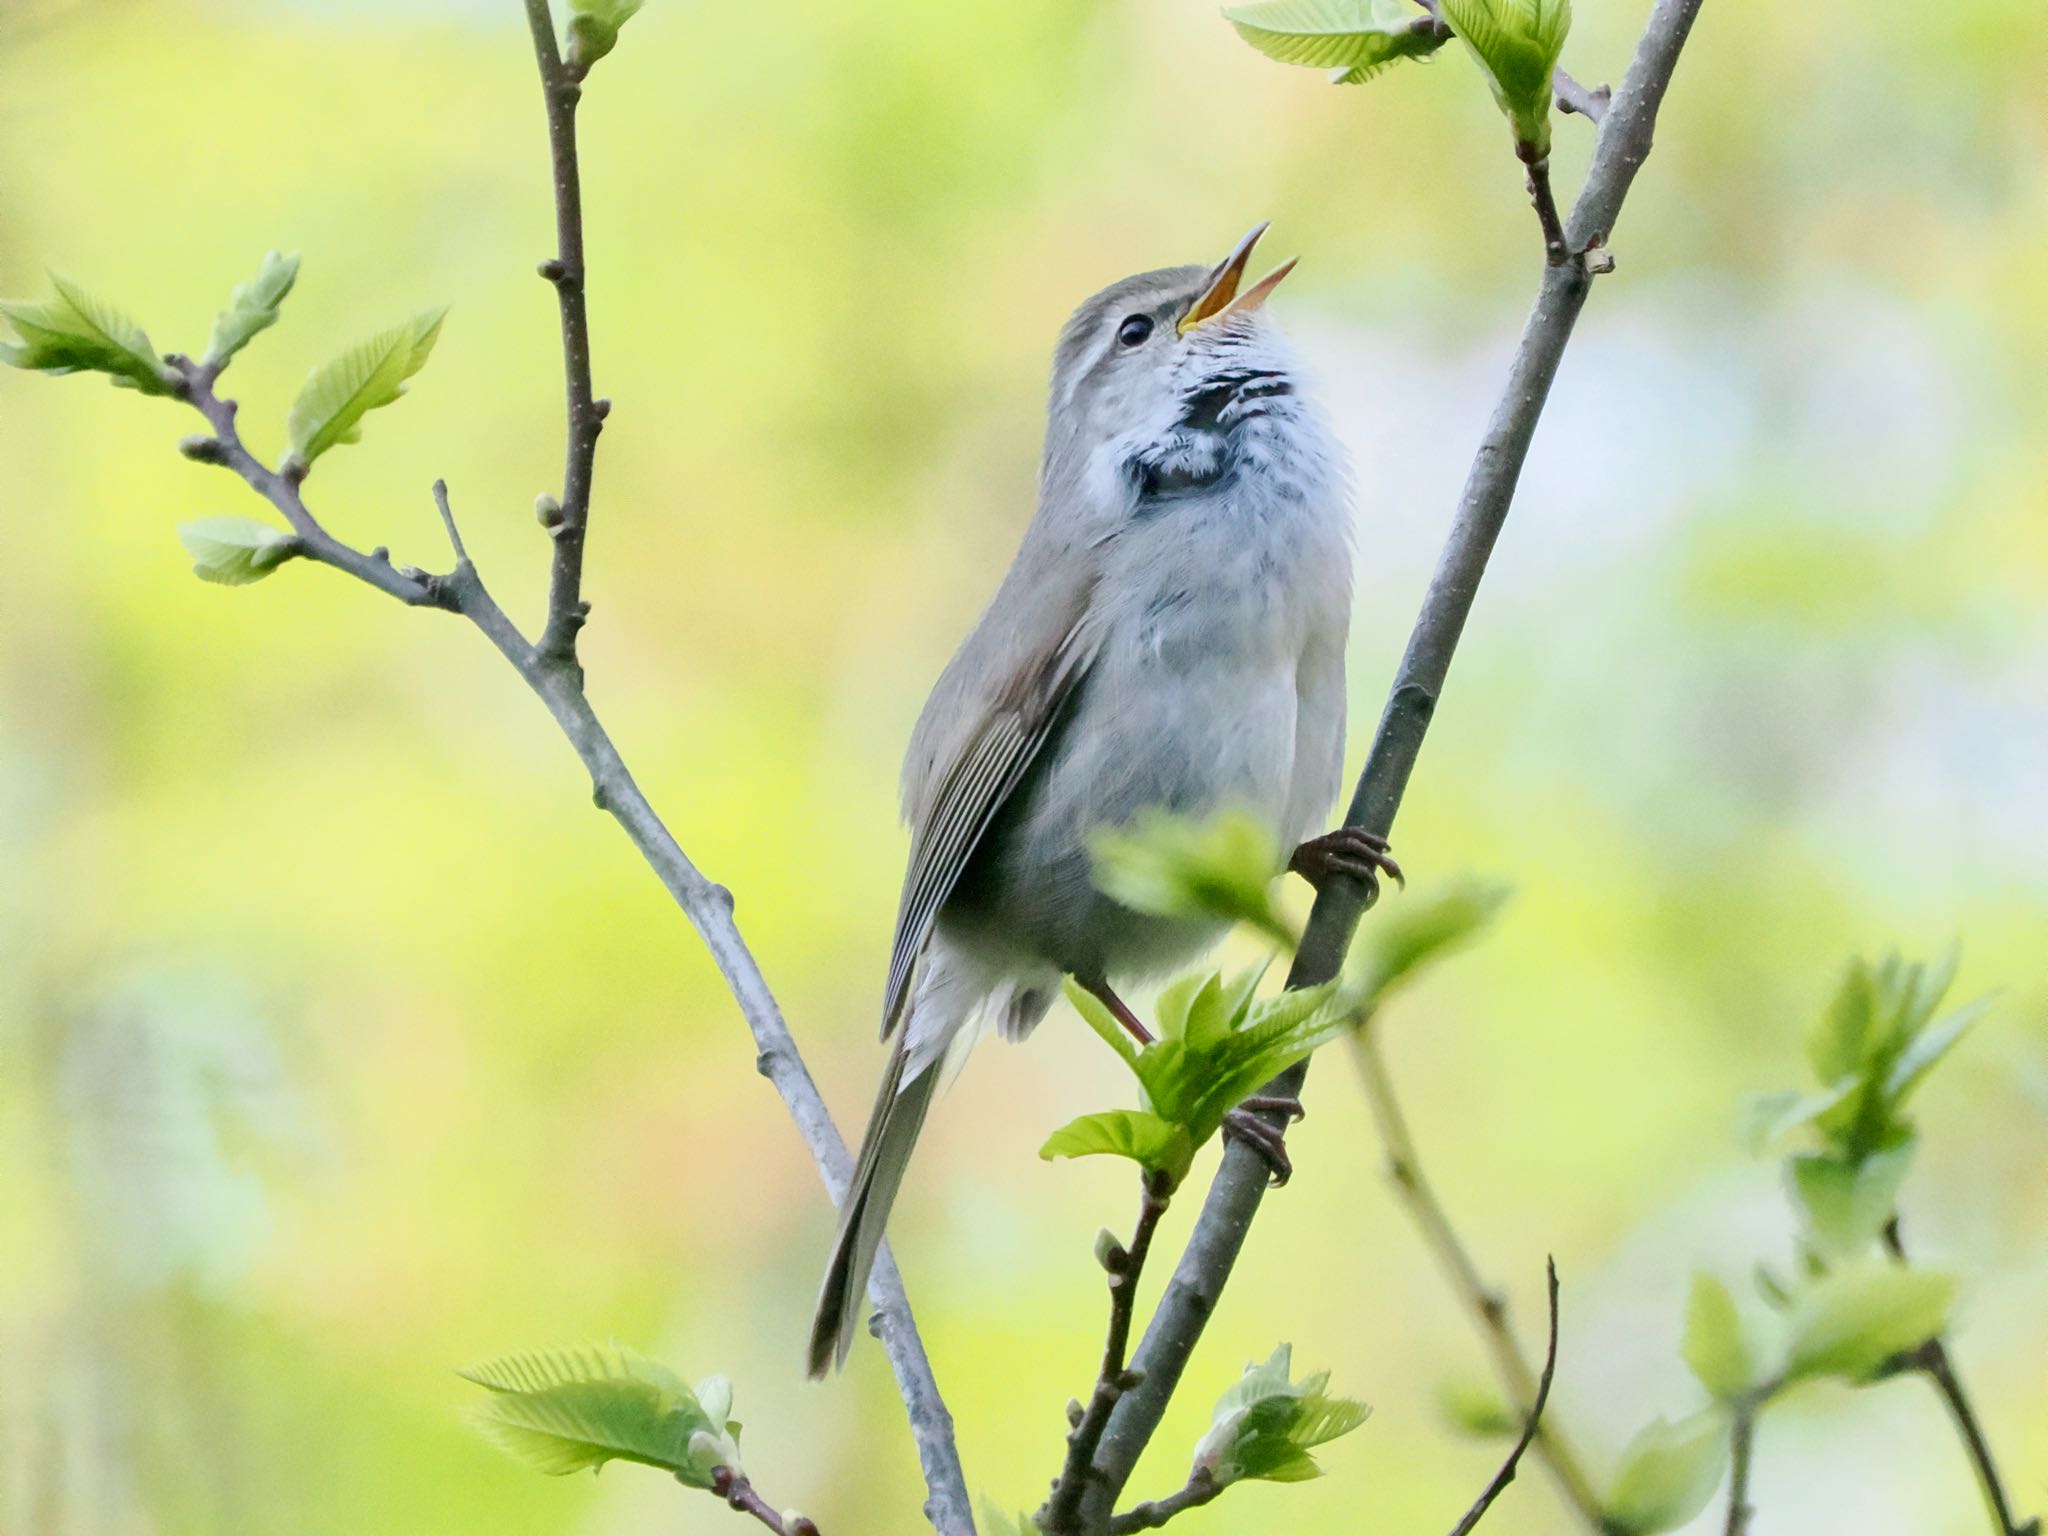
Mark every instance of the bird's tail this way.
pixel 878 1173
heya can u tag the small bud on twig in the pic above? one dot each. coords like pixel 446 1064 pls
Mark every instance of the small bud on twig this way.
pixel 204 450
pixel 1110 1253
pixel 549 511
pixel 553 270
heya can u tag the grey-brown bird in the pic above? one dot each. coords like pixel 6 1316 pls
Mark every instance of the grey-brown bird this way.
pixel 1169 636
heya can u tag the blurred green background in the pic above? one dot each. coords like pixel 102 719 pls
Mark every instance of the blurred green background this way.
pixel 341 1043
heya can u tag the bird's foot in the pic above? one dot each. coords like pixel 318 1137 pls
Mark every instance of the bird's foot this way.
pixel 1245 1124
pixel 1349 851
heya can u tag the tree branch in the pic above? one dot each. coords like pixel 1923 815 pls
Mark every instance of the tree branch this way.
pixel 1933 1359
pixel 1485 1303
pixel 566 271
pixel 734 1488
pixel 1234 1197
pixel 1741 1441
pixel 1153 1513
pixel 1531 1424
pixel 1125 1267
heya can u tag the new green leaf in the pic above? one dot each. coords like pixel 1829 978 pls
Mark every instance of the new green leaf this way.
pixel 1173 867
pixel 1669 1472
pixel 252 308
pixel 1715 1347
pixel 331 407
pixel 234 551
pixel 1266 1425
pixel 594 29
pixel 73 332
pixel 1353 39
pixel 1847 1202
pixel 1851 1321
pixel 1422 928
pixel 1158 1145
pixel 1517 43
pixel 565 1410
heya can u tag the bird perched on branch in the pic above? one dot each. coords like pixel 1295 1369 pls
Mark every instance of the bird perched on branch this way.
pixel 1170 636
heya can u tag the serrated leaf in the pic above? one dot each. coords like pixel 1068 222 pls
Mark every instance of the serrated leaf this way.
pixel 1846 1202
pixel 565 1410
pixel 235 551
pixel 1852 1320
pixel 1669 1472
pixel 252 308
pixel 74 332
pixel 1277 1033
pixel 331 406
pixel 1353 39
pixel 1156 1144
pixel 1265 1425
pixel 1715 1348
pixel 594 29
pixel 1169 866
pixel 1424 927
pixel 1517 43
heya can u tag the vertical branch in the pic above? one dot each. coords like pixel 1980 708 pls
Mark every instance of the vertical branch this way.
pixel 1933 1358
pixel 1741 1441
pixel 566 271
pixel 1489 1310
pixel 1233 1201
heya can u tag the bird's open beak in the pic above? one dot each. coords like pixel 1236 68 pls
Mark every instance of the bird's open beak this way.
pixel 1221 297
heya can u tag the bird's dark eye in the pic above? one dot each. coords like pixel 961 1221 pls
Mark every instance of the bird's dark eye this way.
pixel 1134 330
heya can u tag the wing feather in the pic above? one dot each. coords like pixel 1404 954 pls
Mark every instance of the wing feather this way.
pixel 974 788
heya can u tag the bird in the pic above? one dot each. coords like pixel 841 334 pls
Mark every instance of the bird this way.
pixel 1169 637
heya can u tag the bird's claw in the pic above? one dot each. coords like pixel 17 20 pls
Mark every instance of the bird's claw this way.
pixel 1351 852
pixel 1246 1124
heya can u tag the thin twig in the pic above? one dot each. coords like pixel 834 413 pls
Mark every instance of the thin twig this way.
pixel 734 1488
pixel 1485 1303
pixel 448 522
pixel 1741 1440
pixel 1934 1360
pixel 567 272
pixel 1063 1508
pixel 1544 201
pixel 1531 1425
pixel 1153 1513
pixel 1240 1185
pixel 557 680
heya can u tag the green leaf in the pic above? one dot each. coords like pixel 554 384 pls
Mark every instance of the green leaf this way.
pixel 1767 1116
pixel 1926 1049
pixel 564 1410
pixel 1669 1472
pixel 234 551
pixel 1847 1201
pixel 1854 1319
pixel 1477 1408
pixel 1168 866
pixel 1839 1043
pixel 1156 1144
pixel 1265 1425
pixel 331 407
pixel 1517 43
pixel 1424 927
pixel 1277 1032
pixel 74 332
pixel 252 308
pixel 1714 1346
pixel 999 1522
pixel 594 29
pixel 1353 39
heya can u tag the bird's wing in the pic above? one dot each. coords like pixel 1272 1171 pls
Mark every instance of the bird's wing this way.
pixel 974 785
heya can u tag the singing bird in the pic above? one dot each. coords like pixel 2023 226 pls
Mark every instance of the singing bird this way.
pixel 1170 635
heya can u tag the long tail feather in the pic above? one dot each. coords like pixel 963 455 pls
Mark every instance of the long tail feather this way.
pixel 878 1173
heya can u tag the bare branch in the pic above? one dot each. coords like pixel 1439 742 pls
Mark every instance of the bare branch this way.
pixel 1530 1425
pixel 1485 1303
pixel 1741 1441
pixel 1125 1267
pixel 566 271
pixel 734 1488
pixel 1933 1359
pixel 1153 1513
pixel 1240 1185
